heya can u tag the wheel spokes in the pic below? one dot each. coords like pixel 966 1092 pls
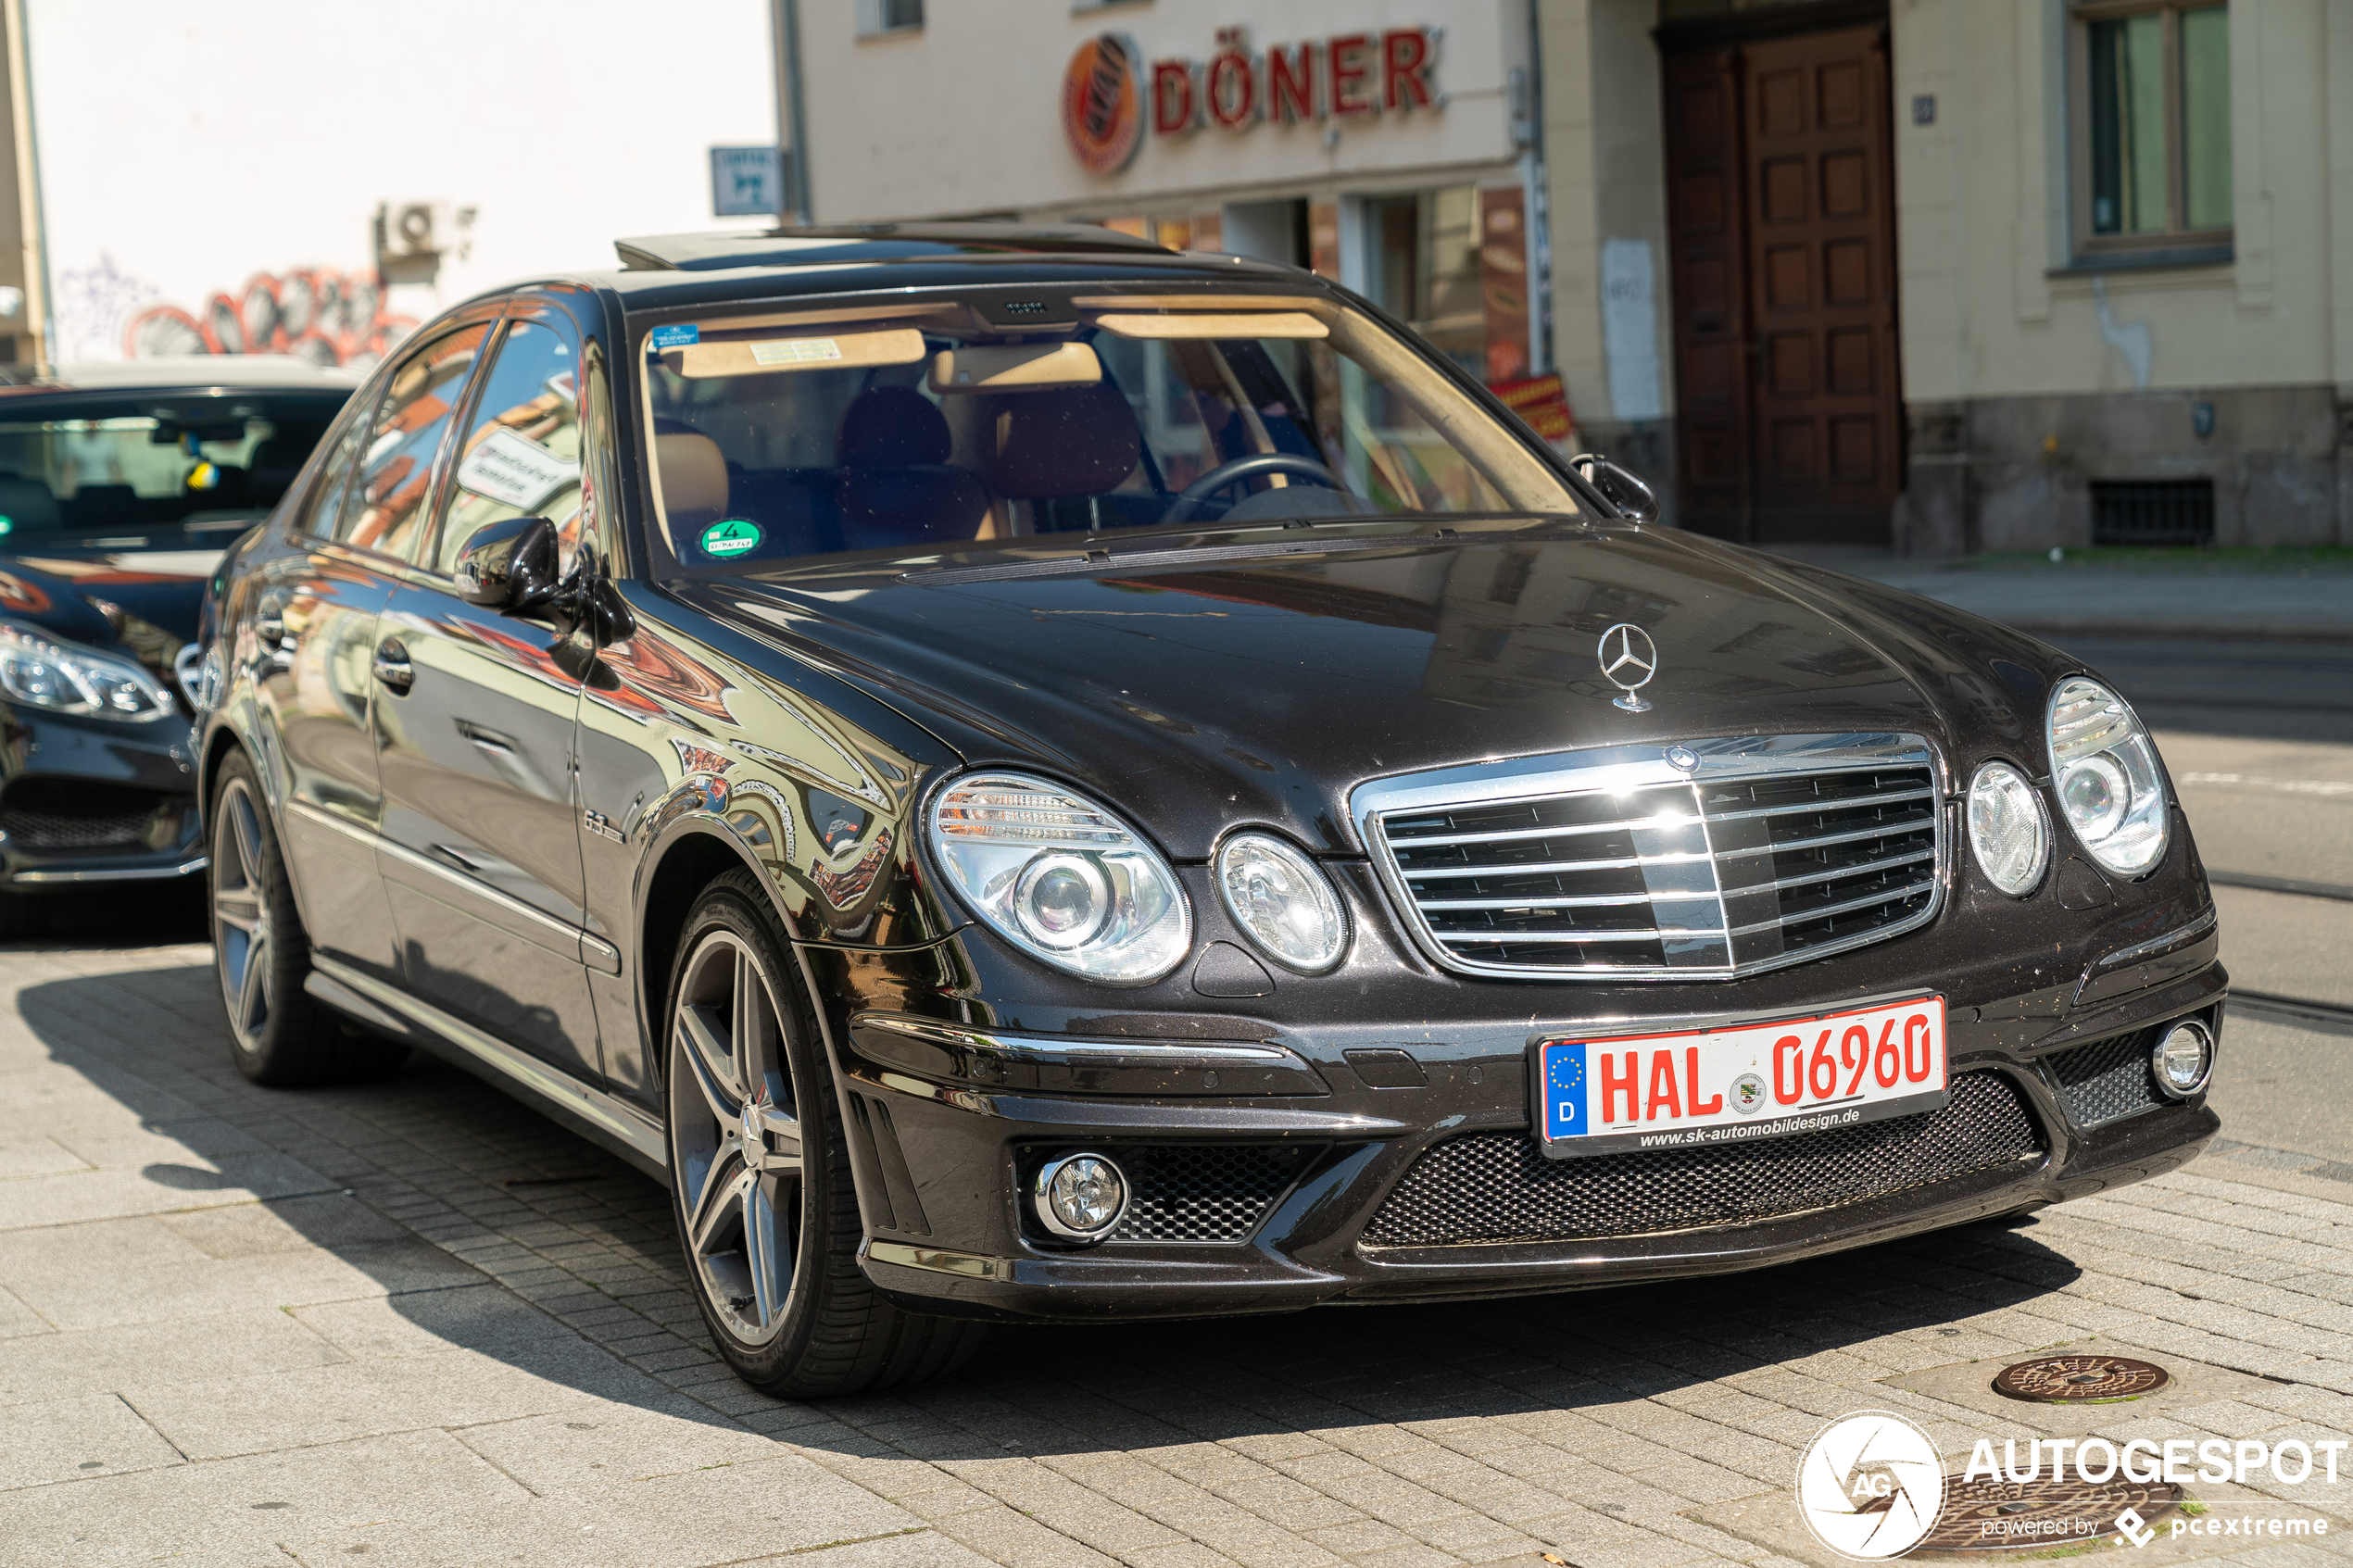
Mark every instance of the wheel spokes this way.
pixel 253 1000
pixel 747 1026
pixel 248 833
pixel 238 908
pixel 711 1059
pixel 719 1202
pixel 763 1253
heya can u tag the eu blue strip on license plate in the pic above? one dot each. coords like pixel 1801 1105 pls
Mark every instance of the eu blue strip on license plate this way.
pixel 1739 1083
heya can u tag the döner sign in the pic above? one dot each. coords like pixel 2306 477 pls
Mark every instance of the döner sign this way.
pixel 1351 75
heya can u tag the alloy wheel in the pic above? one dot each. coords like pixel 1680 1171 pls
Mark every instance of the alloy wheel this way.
pixel 241 942
pixel 736 1138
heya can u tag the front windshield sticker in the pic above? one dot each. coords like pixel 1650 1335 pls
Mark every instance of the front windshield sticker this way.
pixel 676 337
pixel 736 536
pixel 796 351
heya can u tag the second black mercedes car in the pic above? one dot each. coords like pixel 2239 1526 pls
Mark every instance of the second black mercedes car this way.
pixel 1027 775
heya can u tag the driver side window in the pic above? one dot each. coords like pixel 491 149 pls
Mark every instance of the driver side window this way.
pixel 397 470
pixel 522 458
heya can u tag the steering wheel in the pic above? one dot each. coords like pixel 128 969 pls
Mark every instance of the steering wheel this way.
pixel 1189 499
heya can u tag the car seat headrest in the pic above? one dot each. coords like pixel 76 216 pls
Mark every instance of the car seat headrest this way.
pixel 694 477
pixel 892 427
pixel 1072 441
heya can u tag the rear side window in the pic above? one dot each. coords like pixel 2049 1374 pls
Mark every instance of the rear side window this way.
pixel 387 506
pixel 324 509
pixel 522 457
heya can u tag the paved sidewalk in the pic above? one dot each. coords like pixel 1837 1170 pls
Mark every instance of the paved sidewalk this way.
pixel 413 1322
pixel 2218 600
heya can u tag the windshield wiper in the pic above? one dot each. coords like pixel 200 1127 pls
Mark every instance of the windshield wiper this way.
pixel 1097 561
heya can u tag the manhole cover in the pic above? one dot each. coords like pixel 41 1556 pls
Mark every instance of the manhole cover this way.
pixel 2074 1380
pixel 2037 1515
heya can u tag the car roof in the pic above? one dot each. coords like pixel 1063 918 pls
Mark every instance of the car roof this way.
pixel 193 373
pixel 667 271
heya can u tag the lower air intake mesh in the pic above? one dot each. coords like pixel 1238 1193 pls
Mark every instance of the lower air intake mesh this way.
pixel 2109 1079
pixel 1498 1187
pixel 1201 1192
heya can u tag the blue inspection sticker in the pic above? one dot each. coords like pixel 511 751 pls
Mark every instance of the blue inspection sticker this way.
pixel 676 337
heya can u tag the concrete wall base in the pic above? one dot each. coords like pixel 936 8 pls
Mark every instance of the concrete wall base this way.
pixel 2015 473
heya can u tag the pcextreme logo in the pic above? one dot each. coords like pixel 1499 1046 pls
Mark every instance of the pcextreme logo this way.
pixel 1871 1484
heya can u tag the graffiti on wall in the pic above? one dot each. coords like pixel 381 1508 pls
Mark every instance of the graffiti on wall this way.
pixel 318 314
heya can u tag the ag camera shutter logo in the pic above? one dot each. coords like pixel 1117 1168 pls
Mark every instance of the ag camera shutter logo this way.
pixel 1870 1486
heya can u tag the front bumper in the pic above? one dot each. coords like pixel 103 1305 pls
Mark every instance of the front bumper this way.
pixel 943 1130
pixel 88 802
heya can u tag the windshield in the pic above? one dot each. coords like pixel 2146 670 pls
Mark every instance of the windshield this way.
pixel 928 430
pixel 89 471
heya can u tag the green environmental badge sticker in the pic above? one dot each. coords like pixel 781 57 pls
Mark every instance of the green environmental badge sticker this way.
pixel 736 537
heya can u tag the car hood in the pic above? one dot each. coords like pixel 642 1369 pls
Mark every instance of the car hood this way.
pixel 139 597
pixel 1196 691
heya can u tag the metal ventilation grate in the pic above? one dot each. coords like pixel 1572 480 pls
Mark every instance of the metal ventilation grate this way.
pixel 1498 1187
pixel 2153 511
pixel 1203 1192
pixel 2107 1080
pixel 1718 876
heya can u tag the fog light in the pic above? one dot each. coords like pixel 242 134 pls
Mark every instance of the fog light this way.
pixel 1081 1197
pixel 2182 1058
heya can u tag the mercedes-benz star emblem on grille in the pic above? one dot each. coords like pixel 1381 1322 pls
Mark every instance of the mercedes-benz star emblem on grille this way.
pixel 1629 660
pixel 1683 756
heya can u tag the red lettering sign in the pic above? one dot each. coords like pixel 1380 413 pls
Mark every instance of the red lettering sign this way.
pixel 1349 73
pixel 1792 1049
pixel 1290 84
pixel 1173 112
pixel 1405 69
pixel 1231 86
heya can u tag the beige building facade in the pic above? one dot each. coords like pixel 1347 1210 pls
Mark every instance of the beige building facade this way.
pixel 1943 275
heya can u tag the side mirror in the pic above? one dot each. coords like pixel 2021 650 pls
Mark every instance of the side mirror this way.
pixel 508 565
pixel 1619 488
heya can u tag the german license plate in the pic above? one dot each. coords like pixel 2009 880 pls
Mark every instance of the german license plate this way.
pixel 1742 1083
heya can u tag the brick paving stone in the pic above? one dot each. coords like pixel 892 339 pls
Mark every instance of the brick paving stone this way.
pixel 1595 1425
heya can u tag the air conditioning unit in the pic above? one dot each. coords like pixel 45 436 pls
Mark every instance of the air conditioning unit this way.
pixel 406 230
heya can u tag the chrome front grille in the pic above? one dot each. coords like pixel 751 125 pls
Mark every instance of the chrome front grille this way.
pixel 1617 864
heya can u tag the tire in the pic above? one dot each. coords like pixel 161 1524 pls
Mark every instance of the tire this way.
pixel 761 1185
pixel 277 1034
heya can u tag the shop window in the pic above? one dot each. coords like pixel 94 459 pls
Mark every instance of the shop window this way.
pixel 2152 133
pixel 1422 256
pixel 890 15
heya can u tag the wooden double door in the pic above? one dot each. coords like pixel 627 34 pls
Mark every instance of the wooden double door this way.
pixel 1782 234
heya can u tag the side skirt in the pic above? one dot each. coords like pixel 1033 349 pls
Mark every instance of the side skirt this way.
pixel 591 1112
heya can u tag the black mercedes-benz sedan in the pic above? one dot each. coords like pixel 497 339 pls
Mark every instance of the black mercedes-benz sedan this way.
pixel 120 485
pixel 1026 775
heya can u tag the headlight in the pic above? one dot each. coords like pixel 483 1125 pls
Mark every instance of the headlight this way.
pixel 2104 771
pixel 2006 830
pixel 1062 878
pixel 1282 902
pixel 68 678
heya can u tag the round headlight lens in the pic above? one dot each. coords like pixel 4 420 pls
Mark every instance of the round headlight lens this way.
pixel 1061 900
pixel 2006 830
pixel 1062 878
pixel 1081 1196
pixel 2182 1058
pixel 2105 770
pixel 1282 902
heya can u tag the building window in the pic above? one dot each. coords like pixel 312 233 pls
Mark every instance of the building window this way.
pixel 2152 125
pixel 890 15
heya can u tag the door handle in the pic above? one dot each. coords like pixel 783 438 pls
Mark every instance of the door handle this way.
pixel 392 667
